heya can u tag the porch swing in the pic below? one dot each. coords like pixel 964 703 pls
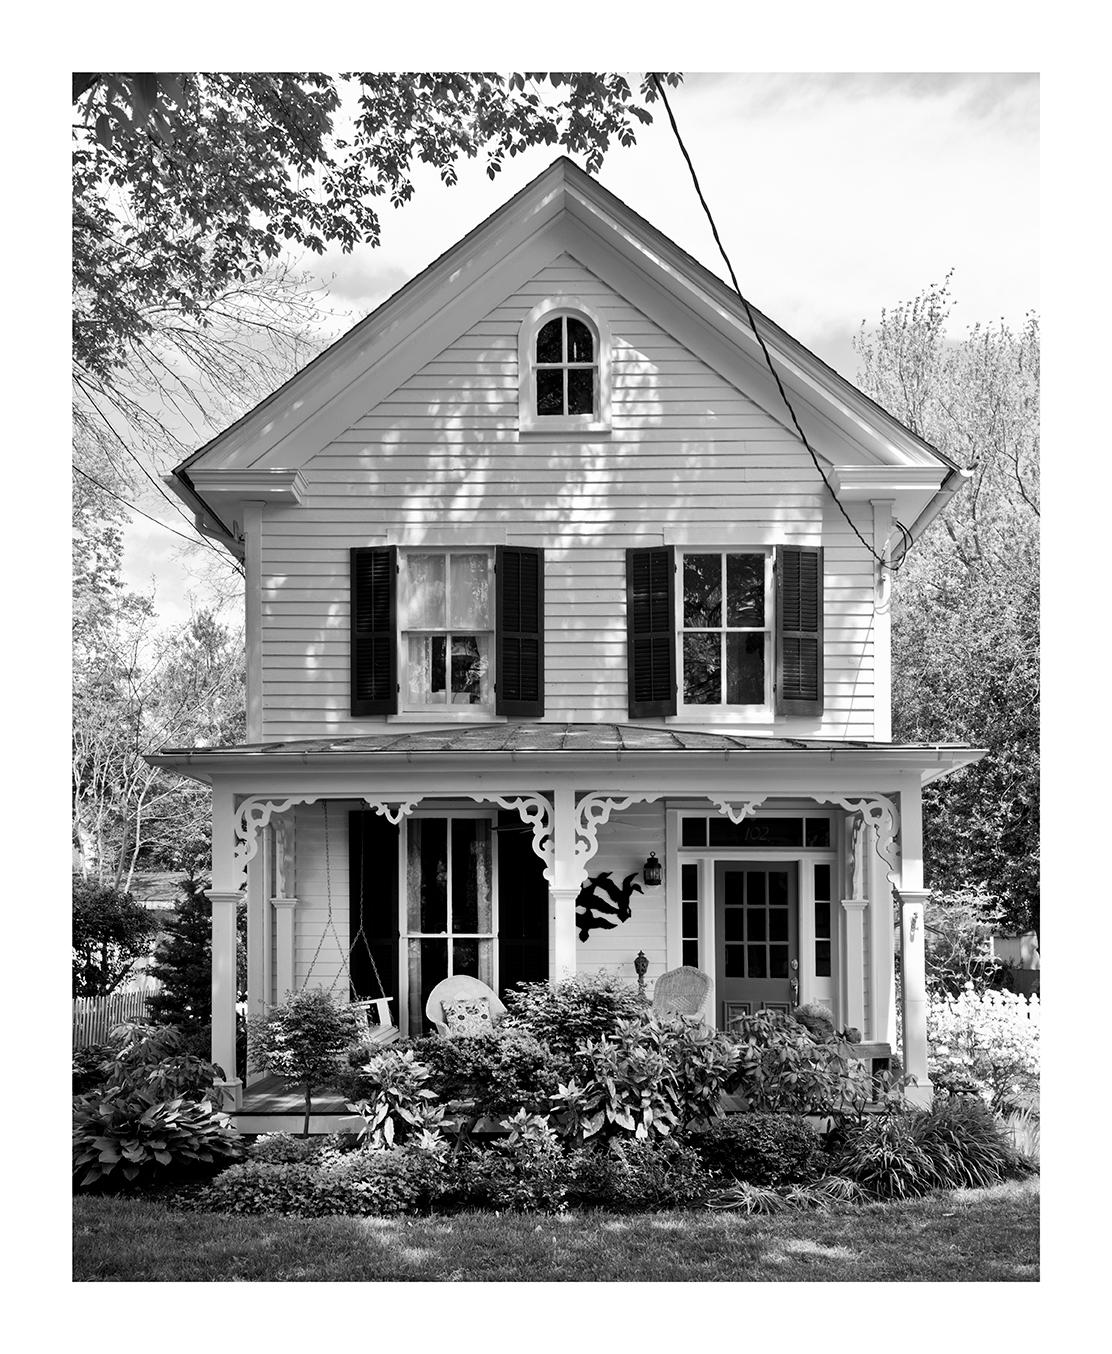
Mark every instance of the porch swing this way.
pixel 380 1030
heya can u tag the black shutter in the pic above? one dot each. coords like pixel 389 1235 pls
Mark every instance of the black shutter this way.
pixel 519 671
pixel 799 658
pixel 522 906
pixel 373 872
pixel 651 631
pixel 374 645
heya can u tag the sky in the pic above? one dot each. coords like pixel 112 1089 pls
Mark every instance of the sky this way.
pixel 836 195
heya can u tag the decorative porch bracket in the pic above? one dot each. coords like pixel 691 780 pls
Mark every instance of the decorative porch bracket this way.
pixel 535 811
pixel 879 812
pixel 393 810
pixel 592 811
pixel 251 816
pixel 737 809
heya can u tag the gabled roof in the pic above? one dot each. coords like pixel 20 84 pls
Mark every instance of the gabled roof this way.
pixel 563 210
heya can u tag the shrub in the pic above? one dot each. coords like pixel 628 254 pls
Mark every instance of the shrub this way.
pixel 763 1149
pixel 304 1040
pixel 283 1149
pixel 987 1042
pixel 111 929
pixel 89 1067
pixel 782 1069
pixel 154 1059
pixel 494 1075
pixel 631 1176
pixel 390 1092
pixel 529 1176
pixel 587 1007
pixel 123 1137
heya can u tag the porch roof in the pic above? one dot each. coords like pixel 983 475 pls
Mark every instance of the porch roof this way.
pixel 556 743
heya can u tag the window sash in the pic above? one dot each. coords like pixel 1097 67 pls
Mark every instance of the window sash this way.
pixel 483 631
pixel 724 630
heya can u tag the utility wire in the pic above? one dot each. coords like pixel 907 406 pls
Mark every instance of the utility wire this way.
pixel 192 540
pixel 908 539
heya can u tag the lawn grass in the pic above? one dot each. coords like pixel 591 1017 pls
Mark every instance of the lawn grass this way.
pixel 968 1235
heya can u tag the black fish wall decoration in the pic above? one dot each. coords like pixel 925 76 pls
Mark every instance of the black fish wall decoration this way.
pixel 601 899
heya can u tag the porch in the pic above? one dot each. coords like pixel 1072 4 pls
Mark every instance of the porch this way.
pixel 780 860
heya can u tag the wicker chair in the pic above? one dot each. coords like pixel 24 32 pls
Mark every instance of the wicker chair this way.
pixel 451 989
pixel 681 991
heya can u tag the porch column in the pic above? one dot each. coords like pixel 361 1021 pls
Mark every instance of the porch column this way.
pixel 913 971
pixel 284 903
pixel 563 888
pixel 854 909
pixel 224 895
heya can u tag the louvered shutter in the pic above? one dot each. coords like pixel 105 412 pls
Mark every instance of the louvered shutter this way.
pixel 520 618
pixel 374 648
pixel 651 631
pixel 799 657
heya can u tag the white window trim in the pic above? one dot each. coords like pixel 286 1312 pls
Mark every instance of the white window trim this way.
pixel 446 713
pixel 723 713
pixel 528 419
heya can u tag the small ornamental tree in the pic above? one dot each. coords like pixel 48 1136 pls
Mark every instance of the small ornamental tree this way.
pixel 110 931
pixel 304 1040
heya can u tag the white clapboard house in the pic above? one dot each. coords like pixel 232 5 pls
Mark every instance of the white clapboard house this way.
pixel 543 588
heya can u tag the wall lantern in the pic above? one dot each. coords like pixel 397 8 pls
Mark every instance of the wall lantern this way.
pixel 652 872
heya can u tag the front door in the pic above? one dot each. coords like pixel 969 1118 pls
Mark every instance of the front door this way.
pixel 756 925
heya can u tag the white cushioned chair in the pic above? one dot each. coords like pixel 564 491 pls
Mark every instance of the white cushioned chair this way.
pixel 461 988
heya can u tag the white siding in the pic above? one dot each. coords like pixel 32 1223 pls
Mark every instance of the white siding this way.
pixel 689 459
pixel 319 880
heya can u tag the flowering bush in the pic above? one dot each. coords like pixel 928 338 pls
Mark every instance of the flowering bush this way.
pixel 987 1043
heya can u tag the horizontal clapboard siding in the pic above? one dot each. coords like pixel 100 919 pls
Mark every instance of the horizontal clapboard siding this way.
pixel 688 453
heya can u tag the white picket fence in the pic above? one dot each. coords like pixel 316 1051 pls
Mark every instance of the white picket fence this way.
pixel 93 1017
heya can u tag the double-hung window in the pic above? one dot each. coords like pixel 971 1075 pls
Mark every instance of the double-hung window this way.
pixel 726 628
pixel 447 624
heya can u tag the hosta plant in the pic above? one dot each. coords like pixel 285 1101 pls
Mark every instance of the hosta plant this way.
pixel 131 1138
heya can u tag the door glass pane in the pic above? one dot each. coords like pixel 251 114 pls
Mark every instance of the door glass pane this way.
pixel 745 669
pixel 469 600
pixel 777 961
pixel 778 923
pixel 734 923
pixel 550 391
pixel 691 921
pixel 702 590
pixel 735 961
pixel 550 341
pixel 822 919
pixel 745 590
pixel 702 669
pixel 755 890
pixel 689 881
pixel 424 599
pixel 822 958
pixel 581 390
pixel 427 874
pixel 757 964
pixel 471 888
pixel 470 665
pixel 581 347
pixel 691 953
pixel 428 964
pixel 778 889
pixel 757 919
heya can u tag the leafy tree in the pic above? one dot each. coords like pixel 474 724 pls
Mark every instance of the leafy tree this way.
pixel 966 604
pixel 110 931
pixel 183 965
pixel 304 1040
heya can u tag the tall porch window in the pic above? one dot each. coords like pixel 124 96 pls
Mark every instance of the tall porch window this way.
pixel 450 925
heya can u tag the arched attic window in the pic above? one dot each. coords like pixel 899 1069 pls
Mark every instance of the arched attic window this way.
pixel 564 368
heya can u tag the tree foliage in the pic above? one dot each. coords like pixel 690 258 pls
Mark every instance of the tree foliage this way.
pixel 110 931
pixel 966 604
pixel 304 1040
pixel 183 964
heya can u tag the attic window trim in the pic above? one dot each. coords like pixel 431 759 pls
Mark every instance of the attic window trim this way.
pixel 539 425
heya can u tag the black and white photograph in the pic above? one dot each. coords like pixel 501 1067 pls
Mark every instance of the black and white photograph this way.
pixel 555 687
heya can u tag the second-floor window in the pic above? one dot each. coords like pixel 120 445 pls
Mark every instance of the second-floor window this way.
pixel 725 654
pixel 447 624
pixel 566 368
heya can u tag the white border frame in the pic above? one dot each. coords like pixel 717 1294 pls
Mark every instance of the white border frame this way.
pixel 528 421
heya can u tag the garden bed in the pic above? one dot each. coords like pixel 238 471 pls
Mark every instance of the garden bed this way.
pixel 960 1236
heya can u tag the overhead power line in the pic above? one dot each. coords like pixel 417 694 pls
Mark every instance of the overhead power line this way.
pixel 908 540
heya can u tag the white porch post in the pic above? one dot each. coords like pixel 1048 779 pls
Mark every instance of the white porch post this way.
pixel 854 909
pixel 224 895
pixel 913 971
pixel 284 903
pixel 563 887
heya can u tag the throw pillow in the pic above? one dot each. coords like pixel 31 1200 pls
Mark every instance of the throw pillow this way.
pixel 467 1015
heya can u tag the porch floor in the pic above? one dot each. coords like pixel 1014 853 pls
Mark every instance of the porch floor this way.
pixel 272 1095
